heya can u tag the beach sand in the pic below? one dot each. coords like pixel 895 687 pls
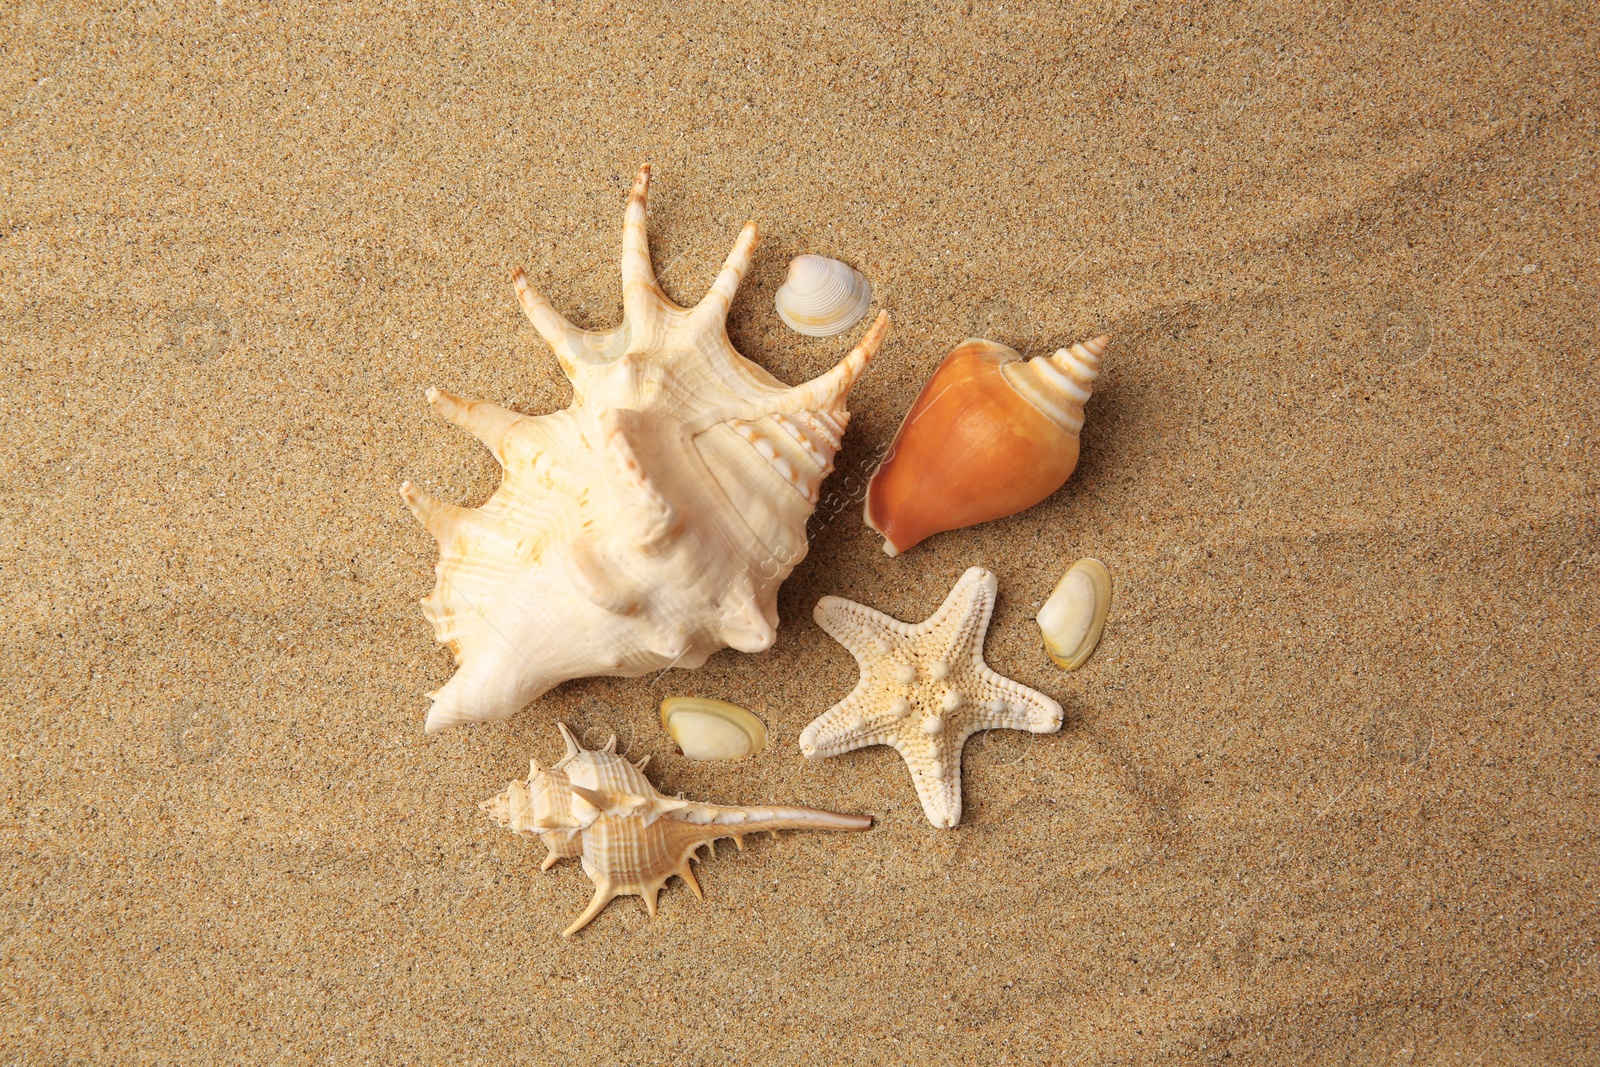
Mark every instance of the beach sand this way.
pixel 1327 791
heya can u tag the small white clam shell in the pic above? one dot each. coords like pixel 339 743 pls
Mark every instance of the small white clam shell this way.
pixel 822 296
pixel 1075 614
pixel 712 729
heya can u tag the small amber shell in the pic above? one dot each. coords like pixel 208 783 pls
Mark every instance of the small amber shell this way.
pixel 990 435
pixel 706 729
pixel 1075 615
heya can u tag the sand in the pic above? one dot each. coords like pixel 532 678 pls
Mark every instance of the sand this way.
pixel 1326 792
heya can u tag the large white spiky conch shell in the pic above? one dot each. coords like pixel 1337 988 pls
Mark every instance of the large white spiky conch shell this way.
pixel 651 522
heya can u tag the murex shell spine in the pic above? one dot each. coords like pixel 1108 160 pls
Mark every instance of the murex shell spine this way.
pixel 648 524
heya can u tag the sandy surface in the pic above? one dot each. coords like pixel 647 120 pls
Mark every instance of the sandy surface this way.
pixel 1327 791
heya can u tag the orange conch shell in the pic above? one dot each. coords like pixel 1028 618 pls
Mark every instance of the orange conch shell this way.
pixel 989 435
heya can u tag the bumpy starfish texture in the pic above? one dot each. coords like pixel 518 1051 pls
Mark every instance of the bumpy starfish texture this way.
pixel 924 690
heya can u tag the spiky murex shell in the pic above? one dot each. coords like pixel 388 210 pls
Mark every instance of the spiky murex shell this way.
pixel 631 840
pixel 651 522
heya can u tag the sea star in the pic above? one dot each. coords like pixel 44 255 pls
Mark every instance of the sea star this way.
pixel 924 690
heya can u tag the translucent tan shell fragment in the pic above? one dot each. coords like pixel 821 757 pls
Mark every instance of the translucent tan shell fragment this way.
pixel 822 297
pixel 990 435
pixel 706 729
pixel 1075 615
pixel 647 525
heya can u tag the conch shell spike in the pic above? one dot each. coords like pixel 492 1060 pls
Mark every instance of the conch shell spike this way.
pixel 611 744
pixel 642 295
pixel 436 516
pixel 603 895
pixel 719 298
pixel 485 420
pixel 827 391
pixel 564 339
pixel 599 800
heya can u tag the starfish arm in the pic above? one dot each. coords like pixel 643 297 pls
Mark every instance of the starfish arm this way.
pixel 972 598
pixel 843 728
pixel 1001 703
pixel 865 633
pixel 960 625
pixel 936 774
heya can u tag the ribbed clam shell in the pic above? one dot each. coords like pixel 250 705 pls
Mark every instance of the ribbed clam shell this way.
pixel 1074 616
pixel 822 296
